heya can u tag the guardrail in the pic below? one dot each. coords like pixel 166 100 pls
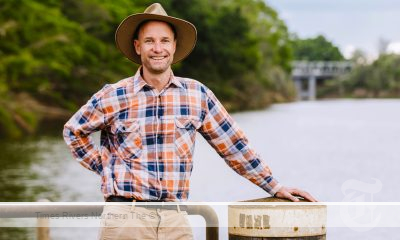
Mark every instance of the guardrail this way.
pixel 94 209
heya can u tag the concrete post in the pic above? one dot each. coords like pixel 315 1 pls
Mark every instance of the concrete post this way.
pixel 299 89
pixel 312 85
pixel 275 218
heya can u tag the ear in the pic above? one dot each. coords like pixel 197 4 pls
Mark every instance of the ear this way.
pixel 136 44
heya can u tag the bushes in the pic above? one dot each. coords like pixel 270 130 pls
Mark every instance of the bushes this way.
pixel 61 52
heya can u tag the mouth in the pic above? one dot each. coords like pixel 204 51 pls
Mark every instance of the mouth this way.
pixel 158 58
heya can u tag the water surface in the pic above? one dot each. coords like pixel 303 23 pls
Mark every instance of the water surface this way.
pixel 317 146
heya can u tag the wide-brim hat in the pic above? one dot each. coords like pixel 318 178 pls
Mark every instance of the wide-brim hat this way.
pixel 185 32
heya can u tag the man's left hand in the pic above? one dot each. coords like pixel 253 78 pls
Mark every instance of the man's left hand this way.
pixel 293 193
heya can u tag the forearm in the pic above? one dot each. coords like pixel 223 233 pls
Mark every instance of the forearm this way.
pixel 249 165
pixel 226 137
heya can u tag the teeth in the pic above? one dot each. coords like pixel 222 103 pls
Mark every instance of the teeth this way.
pixel 157 58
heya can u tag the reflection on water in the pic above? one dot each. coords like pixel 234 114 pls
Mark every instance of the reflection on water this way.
pixel 24 178
pixel 22 174
pixel 38 169
pixel 44 169
pixel 16 233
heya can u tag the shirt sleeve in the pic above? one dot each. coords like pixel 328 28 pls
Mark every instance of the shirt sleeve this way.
pixel 88 119
pixel 224 135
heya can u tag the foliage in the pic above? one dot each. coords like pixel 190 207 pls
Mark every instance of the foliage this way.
pixel 378 79
pixel 61 52
pixel 239 44
pixel 315 49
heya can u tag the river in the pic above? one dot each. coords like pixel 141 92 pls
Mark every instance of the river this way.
pixel 319 146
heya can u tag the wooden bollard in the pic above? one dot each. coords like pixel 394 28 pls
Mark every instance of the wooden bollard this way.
pixel 43 229
pixel 43 226
pixel 286 220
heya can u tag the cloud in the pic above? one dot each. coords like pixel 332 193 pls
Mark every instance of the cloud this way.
pixel 348 51
pixel 393 47
pixel 359 23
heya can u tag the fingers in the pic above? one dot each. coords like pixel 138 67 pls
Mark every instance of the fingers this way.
pixel 284 193
pixel 291 197
pixel 308 196
pixel 291 193
pixel 303 194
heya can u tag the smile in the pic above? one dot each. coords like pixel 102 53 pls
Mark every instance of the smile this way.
pixel 158 58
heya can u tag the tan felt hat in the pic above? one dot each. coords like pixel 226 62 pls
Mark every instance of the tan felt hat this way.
pixel 185 31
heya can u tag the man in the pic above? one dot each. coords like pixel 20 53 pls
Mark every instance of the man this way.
pixel 148 124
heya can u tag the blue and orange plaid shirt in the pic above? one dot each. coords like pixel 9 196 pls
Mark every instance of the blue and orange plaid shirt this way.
pixel 147 138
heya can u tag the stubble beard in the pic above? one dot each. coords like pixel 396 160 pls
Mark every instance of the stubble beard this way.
pixel 158 68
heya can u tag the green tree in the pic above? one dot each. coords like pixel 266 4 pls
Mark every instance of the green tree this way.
pixel 241 45
pixel 58 53
pixel 315 49
pixel 376 80
pixel 379 79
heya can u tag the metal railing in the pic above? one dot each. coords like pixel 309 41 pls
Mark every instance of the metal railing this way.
pixel 320 68
pixel 91 210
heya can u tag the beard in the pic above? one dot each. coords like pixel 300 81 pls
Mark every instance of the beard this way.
pixel 157 66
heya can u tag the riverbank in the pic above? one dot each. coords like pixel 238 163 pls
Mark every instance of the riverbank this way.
pixel 22 115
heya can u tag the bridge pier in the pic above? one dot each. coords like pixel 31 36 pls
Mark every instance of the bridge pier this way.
pixel 312 71
pixel 299 88
pixel 309 92
pixel 312 86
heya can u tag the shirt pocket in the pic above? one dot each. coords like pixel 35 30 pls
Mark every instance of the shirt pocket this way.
pixel 185 136
pixel 127 139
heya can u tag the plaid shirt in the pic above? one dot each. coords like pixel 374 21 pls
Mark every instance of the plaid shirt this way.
pixel 147 138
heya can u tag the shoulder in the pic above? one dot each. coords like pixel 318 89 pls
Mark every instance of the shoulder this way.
pixel 111 89
pixel 192 84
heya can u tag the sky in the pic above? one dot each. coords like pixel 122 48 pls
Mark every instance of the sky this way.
pixel 350 25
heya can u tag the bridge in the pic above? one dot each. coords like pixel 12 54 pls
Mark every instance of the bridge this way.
pixel 305 75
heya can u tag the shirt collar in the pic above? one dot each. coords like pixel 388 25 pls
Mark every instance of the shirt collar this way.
pixel 139 82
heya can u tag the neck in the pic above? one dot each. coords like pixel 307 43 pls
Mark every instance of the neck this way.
pixel 156 80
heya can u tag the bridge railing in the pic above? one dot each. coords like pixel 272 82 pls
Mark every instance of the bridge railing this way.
pixel 320 68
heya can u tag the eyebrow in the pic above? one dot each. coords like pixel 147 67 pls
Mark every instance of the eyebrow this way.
pixel 163 38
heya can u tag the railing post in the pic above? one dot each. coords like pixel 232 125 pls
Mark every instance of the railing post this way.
pixel 211 218
pixel 43 226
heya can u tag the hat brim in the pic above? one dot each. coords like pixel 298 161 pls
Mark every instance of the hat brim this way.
pixel 185 31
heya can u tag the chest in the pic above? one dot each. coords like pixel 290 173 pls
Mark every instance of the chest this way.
pixel 152 114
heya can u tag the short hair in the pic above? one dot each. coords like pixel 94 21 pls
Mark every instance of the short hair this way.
pixel 136 33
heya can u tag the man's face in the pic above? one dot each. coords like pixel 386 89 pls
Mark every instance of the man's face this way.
pixel 156 46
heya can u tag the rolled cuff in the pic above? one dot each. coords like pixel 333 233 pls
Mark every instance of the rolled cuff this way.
pixel 275 189
pixel 271 185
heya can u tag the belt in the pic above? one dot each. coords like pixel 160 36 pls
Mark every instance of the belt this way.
pixel 157 206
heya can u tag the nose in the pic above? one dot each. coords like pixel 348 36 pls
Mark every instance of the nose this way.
pixel 157 47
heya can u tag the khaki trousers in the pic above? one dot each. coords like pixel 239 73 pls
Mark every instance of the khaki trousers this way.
pixel 134 222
